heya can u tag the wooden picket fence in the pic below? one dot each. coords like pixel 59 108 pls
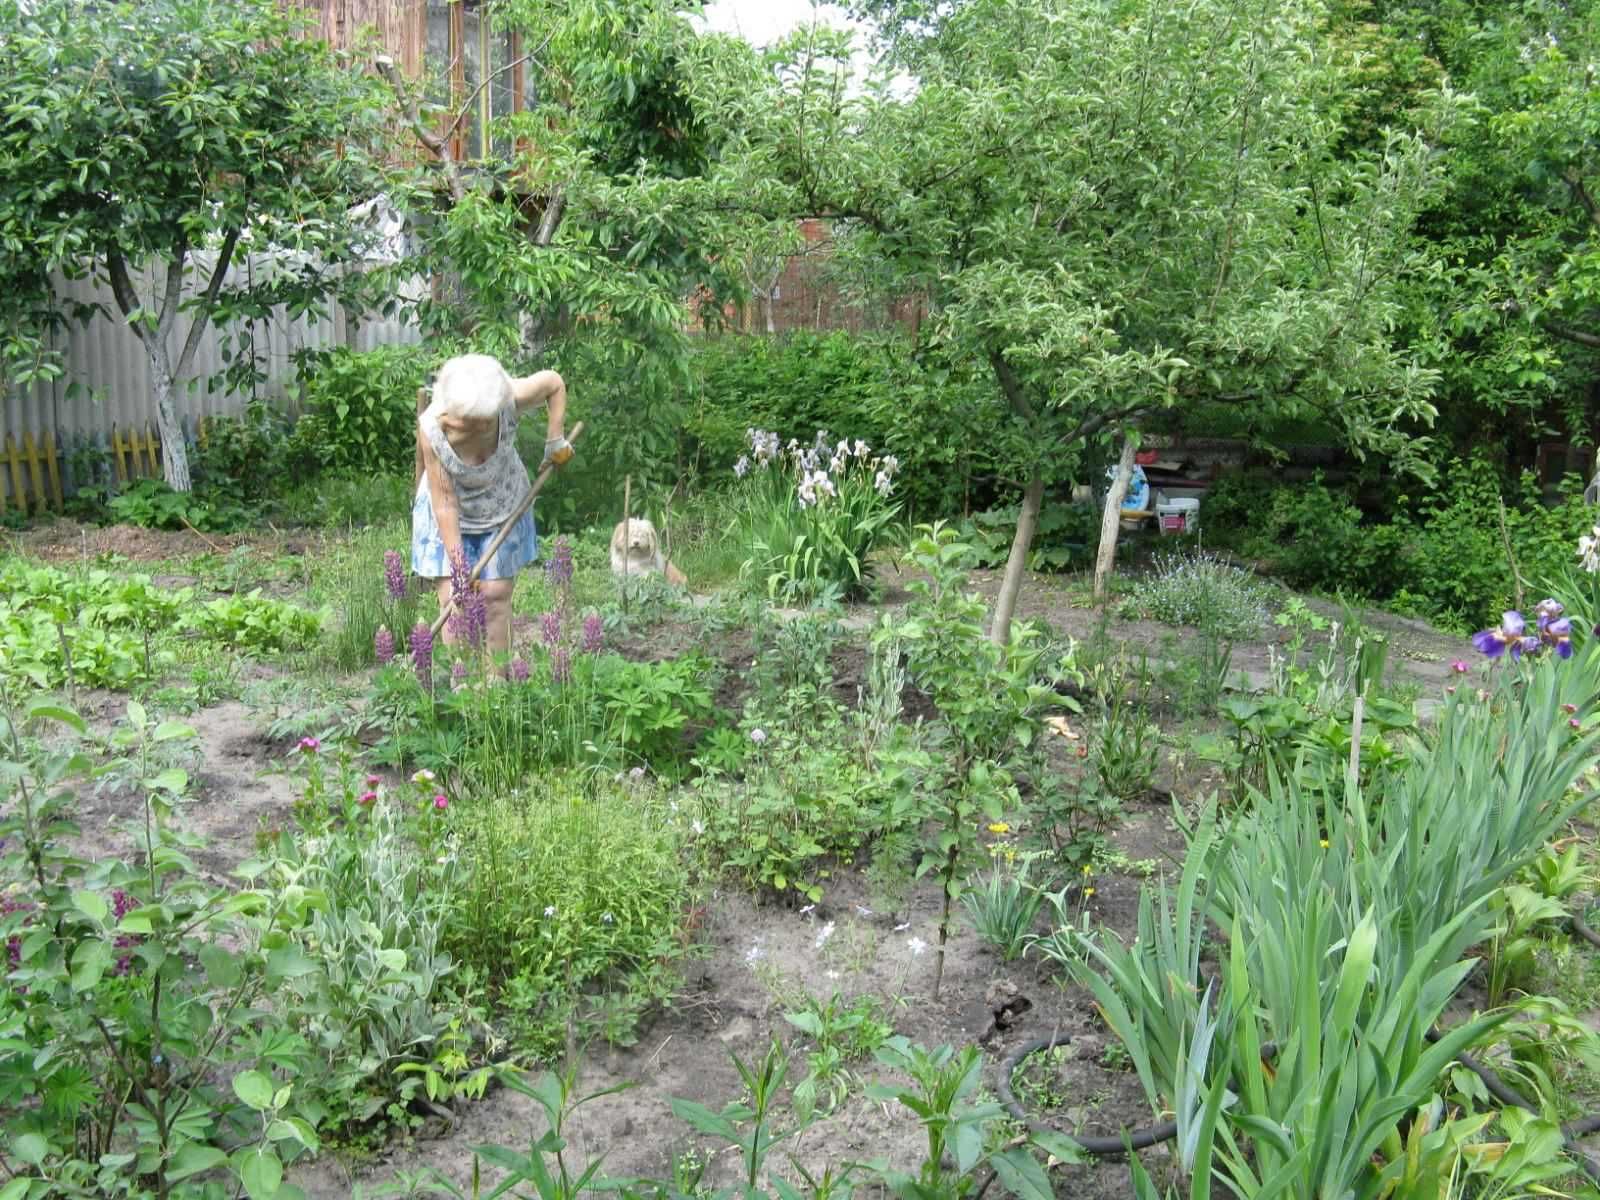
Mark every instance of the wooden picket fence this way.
pixel 34 467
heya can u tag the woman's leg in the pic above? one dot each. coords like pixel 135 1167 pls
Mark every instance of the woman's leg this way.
pixel 497 600
pixel 442 586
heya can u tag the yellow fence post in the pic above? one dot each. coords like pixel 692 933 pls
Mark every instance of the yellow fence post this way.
pixel 52 464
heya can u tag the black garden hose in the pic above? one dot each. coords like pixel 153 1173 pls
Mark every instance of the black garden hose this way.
pixel 1100 1147
pixel 1143 1138
pixel 1580 928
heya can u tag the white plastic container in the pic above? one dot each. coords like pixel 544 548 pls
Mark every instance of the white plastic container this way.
pixel 1179 515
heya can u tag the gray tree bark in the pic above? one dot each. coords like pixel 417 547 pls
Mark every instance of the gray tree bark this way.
pixel 1005 604
pixel 1111 521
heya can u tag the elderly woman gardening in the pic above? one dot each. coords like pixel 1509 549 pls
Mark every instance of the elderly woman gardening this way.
pixel 472 482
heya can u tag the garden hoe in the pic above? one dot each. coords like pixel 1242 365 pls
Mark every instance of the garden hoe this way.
pixel 493 547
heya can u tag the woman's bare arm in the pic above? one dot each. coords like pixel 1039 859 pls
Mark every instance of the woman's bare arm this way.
pixel 543 389
pixel 446 509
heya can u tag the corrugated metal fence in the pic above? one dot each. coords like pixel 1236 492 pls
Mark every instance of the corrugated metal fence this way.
pixel 111 371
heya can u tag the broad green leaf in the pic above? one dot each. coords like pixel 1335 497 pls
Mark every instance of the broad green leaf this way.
pixel 92 904
pixel 193 1158
pixel 30 1148
pixel 261 1173
pixel 254 1088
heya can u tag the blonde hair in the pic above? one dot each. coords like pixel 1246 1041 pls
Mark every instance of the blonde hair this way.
pixel 470 389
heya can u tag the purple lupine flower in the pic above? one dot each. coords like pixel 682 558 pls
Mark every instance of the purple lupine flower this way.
pixel 474 618
pixel 550 627
pixel 122 903
pixel 422 651
pixel 394 574
pixel 560 665
pixel 383 646
pixel 458 675
pixel 558 567
pixel 593 633
pixel 1511 634
pixel 519 670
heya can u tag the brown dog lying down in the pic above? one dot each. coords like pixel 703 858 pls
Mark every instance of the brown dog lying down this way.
pixel 636 550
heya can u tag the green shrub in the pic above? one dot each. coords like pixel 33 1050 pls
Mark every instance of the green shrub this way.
pixel 151 504
pixel 571 886
pixel 903 400
pixel 361 406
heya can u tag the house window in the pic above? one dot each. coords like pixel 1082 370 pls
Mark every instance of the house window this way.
pixel 467 44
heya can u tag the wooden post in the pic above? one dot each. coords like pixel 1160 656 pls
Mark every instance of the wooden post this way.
pixel 118 458
pixel 18 492
pixel 422 402
pixel 35 473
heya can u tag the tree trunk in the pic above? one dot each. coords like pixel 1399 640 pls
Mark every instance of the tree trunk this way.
pixel 1005 603
pixel 1111 521
pixel 174 451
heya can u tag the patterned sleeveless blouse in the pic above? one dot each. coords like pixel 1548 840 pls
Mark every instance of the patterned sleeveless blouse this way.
pixel 488 493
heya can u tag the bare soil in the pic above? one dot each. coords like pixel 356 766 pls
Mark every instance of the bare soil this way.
pixel 757 958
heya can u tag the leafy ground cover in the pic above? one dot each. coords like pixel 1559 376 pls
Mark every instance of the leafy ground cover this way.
pixel 683 830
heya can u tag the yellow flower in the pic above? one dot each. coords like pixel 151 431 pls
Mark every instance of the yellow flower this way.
pixel 1087 870
pixel 1324 843
pixel 999 827
pixel 1087 892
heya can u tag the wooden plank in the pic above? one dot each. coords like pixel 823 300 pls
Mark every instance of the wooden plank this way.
pixel 19 494
pixel 118 456
pixel 35 471
pixel 458 76
pixel 52 462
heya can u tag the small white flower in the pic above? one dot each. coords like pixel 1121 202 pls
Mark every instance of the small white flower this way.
pixel 758 735
pixel 607 919
pixel 808 910
pixel 902 927
pixel 837 464
pixel 1589 551
pixel 742 467
pixel 423 776
pixel 832 974
pixel 823 935
pixel 697 827
pixel 549 910
pixel 883 483
pixel 862 449
pixel 917 946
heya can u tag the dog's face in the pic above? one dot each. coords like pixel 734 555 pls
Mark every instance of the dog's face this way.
pixel 636 538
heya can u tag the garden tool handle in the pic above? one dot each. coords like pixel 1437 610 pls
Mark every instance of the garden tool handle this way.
pixel 499 538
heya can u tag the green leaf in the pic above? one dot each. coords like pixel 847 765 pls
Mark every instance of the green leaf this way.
pixel 46 711
pixel 173 779
pixel 261 1172
pixel 1021 1175
pixel 92 904
pixel 30 1148
pixel 393 959
pixel 170 730
pixel 89 963
pixel 17 1188
pixel 221 967
pixel 254 1088
pixel 288 962
pixel 193 1158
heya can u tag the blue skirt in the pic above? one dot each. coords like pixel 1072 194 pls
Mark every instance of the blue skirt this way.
pixel 430 560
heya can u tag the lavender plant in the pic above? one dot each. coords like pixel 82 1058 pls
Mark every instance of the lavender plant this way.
pixel 1201 590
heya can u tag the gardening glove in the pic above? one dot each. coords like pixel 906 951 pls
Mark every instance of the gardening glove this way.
pixel 557 450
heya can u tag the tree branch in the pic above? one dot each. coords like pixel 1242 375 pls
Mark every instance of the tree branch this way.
pixel 197 329
pixel 122 286
pixel 1011 386
pixel 466 105
pixel 430 140
pixel 174 289
pixel 1575 182
pixel 1570 333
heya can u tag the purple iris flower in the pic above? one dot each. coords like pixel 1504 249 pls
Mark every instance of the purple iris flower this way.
pixel 1510 634
pixel 1558 634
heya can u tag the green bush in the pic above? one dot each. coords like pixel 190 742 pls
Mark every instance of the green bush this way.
pixel 362 407
pixel 901 400
pixel 572 886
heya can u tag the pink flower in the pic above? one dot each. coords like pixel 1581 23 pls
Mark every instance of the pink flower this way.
pixel 374 780
pixel 1459 667
pixel 440 803
pixel 367 797
pixel 309 745
pixel 1574 722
